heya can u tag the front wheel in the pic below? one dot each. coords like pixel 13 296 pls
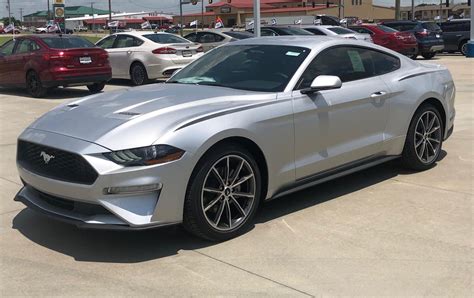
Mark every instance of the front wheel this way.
pixel 463 48
pixel 428 56
pixel 96 87
pixel 223 194
pixel 424 139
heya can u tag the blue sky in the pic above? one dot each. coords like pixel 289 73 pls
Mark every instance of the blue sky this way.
pixel 170 6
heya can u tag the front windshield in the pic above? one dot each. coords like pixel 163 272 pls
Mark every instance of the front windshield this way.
pixel 340 30
pixel 266 68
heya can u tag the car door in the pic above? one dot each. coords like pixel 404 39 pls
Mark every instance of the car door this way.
pixel 124 51
pixel 209 40
pixel 340 126
pixel 22 60
pixel 7 61
pixel 108 45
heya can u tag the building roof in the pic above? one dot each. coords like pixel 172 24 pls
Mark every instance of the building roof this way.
pixel 240 4
pixel 158 18
pixel 70 11
pixel 296 9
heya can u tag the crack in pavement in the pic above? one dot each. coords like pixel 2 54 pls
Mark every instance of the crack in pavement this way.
pixel 253 273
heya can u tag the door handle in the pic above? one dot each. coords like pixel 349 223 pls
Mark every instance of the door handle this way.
pixel 378 94
pixel 458 35
pixel 129 52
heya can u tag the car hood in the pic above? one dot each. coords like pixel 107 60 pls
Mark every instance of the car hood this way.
pixel 137 117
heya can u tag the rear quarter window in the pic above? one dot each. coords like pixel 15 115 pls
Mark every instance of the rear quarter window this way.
pixel 165 38
pixel 430 26
pixel 67 43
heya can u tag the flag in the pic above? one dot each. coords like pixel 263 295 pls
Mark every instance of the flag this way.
pixel 274 21
pixel 343 21
pixel 9 28
pixel 52 28
pixel 194 23
pixel 146 25
pixel 359 22
pixel 219 23
pixel 317 22
pixel 298 22
pixel 113 24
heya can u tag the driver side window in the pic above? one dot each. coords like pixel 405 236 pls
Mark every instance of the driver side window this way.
pixel 107 43
pixel 7 49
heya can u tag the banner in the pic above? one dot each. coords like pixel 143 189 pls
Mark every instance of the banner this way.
pixel 60 14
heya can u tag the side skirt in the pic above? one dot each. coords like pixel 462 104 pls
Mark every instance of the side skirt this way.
pixel 331 174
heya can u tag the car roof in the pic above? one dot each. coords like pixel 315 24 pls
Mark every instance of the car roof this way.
pixel 141 33
pixel 307 41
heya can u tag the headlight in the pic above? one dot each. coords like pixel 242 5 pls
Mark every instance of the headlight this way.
pixel 144 156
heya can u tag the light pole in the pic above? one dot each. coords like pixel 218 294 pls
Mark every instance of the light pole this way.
pixel 470 44
pixel 110 15
pixel 9 13
pixel 256 18
pixel 202 14
pixel 412 10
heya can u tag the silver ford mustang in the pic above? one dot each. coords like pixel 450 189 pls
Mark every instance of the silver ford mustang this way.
pixel 250 121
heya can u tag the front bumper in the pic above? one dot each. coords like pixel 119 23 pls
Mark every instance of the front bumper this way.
pixel 136 210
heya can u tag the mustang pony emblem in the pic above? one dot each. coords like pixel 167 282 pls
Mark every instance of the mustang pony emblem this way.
pixel 46 157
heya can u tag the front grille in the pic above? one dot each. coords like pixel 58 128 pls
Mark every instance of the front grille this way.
pixel 74 206
pixel 55 163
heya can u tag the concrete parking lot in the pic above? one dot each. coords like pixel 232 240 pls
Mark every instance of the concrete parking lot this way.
pixel 383 231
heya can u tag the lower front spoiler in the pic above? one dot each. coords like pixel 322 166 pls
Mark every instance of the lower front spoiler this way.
pixel 25 196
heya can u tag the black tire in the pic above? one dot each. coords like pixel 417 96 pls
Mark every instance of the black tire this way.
pixel 410 156
pixel 138 74
pixel 195 218
pixel 463 47
pixel 34 86
pixel 428 56
pixel 96 87
pixel 413 56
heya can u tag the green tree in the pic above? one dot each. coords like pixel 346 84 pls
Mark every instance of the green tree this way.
pixel 6 22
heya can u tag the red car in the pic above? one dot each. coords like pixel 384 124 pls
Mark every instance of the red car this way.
pixel 40 63
pixel 402 42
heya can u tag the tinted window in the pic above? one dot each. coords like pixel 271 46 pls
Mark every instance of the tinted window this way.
pixel 430 26
pixel 267 32
pixel 295 31
pixel 27 46
pixel 238 35
pixel 266 68
pixel 362 30
pixel 108 42
pixel 127 41
pixel 340 30
pixel 7 48
pixel 192 37
pixel 455 26
pixel 349 64
pixel 314 31
pixel 165 38
pixel 402 27
pixel 387 29
pixel 209 38
pixel 67 43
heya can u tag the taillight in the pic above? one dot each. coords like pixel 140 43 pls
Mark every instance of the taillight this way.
pixel 165 50
pixel 54 56
pixel 422 34
pixel 104 55
pixel 200 50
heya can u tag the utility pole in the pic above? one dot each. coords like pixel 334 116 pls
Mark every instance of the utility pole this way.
pixel 202 14
pixel 181 17
pixel 93 17
pixel 440 11
pixel 256 18
pixel 110 15
pixel 21 15
pixel 339 10
pixel 49 12
pixel 412 10
pixel 397 9
pixel 470 44
pixel 9 13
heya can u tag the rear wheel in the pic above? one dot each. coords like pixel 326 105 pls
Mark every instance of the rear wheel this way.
pixel 463 47
pixel 428 56
pixel 34 86
pixel 223 194
pixel 138 74
pixel 424 139
pixel 96 87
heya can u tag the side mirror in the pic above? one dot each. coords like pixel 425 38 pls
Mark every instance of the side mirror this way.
pixel 323 83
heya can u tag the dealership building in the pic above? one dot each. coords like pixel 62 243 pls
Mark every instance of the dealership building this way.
pixel 236 12
pixel 40 18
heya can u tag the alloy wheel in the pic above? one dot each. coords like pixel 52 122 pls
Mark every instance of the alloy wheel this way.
pixel 427 137
pixel 228 193
pixel 138 75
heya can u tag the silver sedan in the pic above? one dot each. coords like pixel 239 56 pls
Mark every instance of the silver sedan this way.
pixel 337 31
pixel 145 55
pixel 250 121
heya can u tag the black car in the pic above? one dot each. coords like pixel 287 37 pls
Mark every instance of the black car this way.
pixel 281 30
pixel 456 34
pixel 428 34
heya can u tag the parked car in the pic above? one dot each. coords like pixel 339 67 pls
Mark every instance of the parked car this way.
pixel 80 29
pixel 250 121
pixel 402 42
pixel 41 30
pixel 40 63
pixel 2 31
pixel 210 39
pixel 428 34
pixel 456 34
pixel 337 31
pixel 281 30
pixel 144 55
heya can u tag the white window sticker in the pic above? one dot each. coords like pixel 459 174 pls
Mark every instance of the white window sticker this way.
pixel 356 61
pixel 293 54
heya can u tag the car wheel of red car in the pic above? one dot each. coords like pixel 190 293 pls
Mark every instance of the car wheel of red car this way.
pixel 96 88
pixel 34 86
